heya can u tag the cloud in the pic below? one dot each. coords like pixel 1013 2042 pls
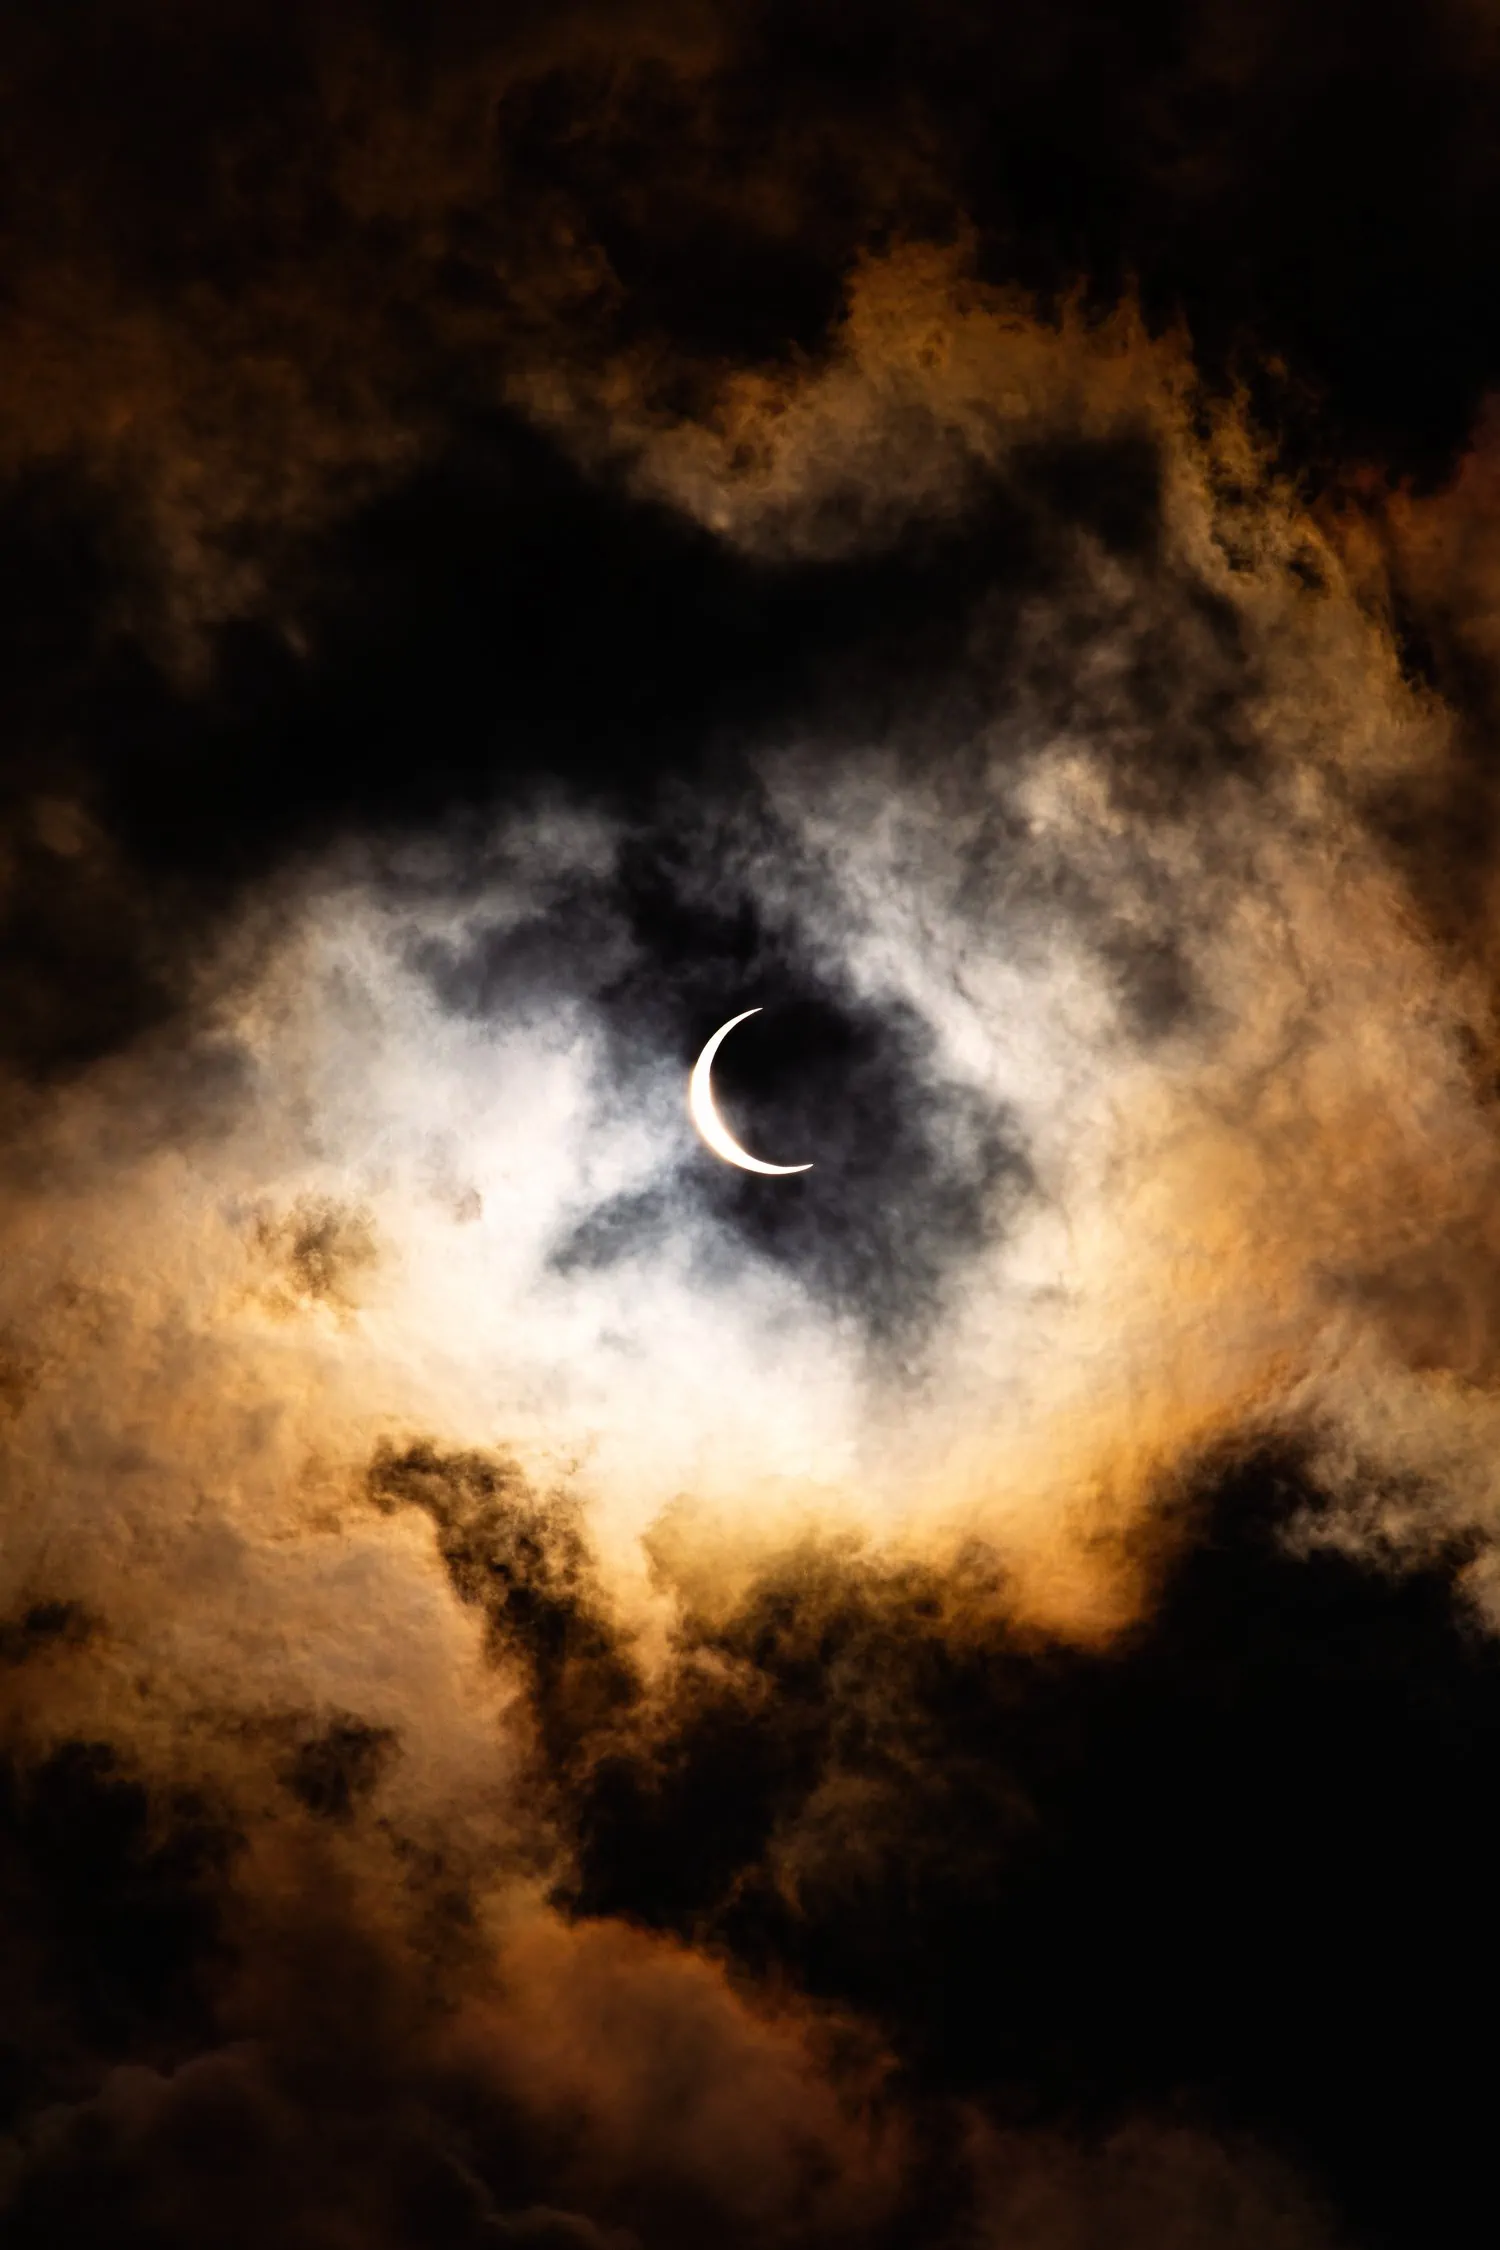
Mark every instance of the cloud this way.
pixel 550 1695
pixel 278 267
pixel 976 1849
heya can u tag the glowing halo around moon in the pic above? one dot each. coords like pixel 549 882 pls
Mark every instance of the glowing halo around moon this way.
pixel 707 1119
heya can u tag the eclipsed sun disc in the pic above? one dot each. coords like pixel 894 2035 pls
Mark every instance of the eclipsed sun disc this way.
pixel 707 1119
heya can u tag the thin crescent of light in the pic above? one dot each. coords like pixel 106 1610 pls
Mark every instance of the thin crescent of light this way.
pixel 707 1119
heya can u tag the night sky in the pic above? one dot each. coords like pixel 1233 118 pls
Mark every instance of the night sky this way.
pixel 558 1693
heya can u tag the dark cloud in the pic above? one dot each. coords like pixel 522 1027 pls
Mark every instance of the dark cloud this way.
pixel 1239 1863
pixel 335 1769
pixel 319 1252
pixel 522 1559
pixel 1235 1871
pixel 319 193
pixel 706 175
pixel 44 1625
pixel 114 1923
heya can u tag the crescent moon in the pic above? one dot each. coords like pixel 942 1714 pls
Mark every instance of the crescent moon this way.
pixel 707 1119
